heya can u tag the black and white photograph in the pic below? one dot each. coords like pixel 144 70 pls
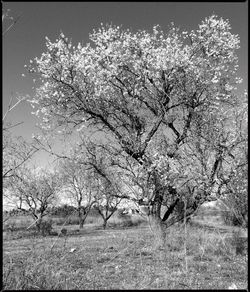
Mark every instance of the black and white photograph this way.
pixel 124 145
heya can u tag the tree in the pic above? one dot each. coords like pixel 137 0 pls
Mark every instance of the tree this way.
pixel 38 190
pixel 16 151
pixel 77 182
pixel 144 88
pixel 234 182
pixel 8 22
pixel 106 201
pixel 105 181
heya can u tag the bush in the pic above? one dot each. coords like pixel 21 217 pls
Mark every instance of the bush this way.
pixel 63 211
pixel 64 231
pixel 45 227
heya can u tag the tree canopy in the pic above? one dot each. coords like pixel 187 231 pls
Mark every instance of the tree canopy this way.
pixel 165 98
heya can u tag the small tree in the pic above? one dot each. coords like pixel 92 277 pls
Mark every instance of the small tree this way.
pixel 38 191
pixel 107 200
pixel 77 182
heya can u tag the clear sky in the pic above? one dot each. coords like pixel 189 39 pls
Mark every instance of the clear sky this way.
pixel 76 20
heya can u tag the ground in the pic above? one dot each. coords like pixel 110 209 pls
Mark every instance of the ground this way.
pixel 125 258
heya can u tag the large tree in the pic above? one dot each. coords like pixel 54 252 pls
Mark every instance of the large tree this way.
pixel 157 95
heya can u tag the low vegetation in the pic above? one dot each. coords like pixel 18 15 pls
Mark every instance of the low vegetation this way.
pixel 122 257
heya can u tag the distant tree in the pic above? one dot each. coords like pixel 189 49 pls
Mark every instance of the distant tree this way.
pixel 150 94
pixel 105 183
pixel 38 191
pixel 77 182
pixel 106 202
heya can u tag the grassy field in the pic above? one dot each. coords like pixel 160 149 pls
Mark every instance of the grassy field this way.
pixel 124 258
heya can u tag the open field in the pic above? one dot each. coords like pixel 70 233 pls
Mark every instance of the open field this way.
pixel 124 258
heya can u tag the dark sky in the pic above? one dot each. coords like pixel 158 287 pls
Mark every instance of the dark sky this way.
pixel 77 19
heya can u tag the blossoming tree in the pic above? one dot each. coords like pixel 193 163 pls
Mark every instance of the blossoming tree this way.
pixel 162 97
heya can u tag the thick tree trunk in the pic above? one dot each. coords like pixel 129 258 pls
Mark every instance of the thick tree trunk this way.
pixel 159 230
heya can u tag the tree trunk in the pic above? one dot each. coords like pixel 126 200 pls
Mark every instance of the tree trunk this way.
pixel 159 230
pixel 38 221
pixel 104 225
pixel 156 224
pixel 81 222
pixel 81 218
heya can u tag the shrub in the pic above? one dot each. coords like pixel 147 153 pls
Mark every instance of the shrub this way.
pixel 64 231
pixel 64 210
pixel 45 227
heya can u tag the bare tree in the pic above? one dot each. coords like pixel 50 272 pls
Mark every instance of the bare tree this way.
pixel 106 201
pixel 77 183
pixel 8 22
pixel 106 182
pixel 16 151
pixel 38 190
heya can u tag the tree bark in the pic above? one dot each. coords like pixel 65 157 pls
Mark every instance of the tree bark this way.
pixel 159 230
pixel 156 224
pixel 104 225
pixel 81 217
pixel 81 222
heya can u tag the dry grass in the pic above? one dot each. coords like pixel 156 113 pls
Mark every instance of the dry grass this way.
pixel 123 259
